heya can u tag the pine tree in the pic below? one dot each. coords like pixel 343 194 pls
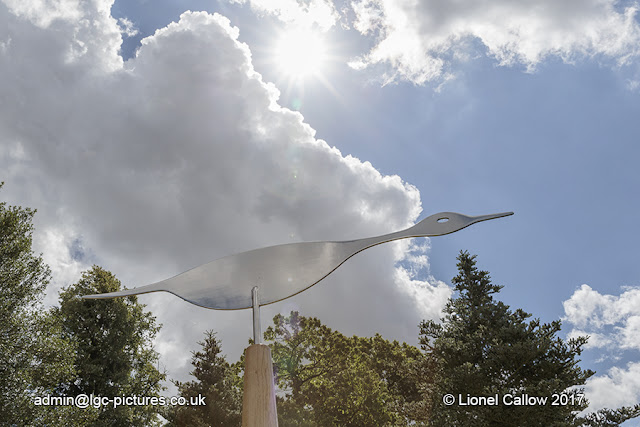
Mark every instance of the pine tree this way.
pixel 483 349
pixel 217 382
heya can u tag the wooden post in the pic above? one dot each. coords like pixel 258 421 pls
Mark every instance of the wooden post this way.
pixel 259 401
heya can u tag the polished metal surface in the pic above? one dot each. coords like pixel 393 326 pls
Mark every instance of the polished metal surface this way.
pixel 255 302
pixel 285 270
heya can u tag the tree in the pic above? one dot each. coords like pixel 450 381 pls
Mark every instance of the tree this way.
pixel 483 349
pixel 217 382
pixel 328 379
pixel 114 353
pixel 33 356
pixel 611 417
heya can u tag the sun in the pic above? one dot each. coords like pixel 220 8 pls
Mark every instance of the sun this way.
pixel 300 53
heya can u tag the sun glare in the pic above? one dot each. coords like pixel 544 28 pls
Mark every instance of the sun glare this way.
pixel 300 53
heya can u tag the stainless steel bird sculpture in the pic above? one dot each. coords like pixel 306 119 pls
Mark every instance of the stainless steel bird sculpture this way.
pixel 264 276
pixel 282 271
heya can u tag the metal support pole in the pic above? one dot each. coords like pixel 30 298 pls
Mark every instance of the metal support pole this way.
pixel 256 315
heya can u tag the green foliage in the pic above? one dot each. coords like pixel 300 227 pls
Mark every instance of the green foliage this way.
pixel 217 382
pixel 33 356
pixel 104 348
pixel 328 379
pixel 610 417
pixel 114 352
pixel 482 348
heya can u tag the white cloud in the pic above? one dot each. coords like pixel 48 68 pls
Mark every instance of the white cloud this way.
pixel 57 247
pixel 608 319
pixel 430 295
pixel 587 307
pixel 417 38
pixel 127 27
pixel 43 12
pixel 182 155
pixel 308 13
pixel 619 387
pixel 89 33
pixel 596 339
pixel 613 324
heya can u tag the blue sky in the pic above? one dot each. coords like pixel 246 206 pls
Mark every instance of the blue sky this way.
pixel 532 110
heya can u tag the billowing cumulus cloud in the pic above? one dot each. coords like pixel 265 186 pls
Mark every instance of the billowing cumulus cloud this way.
pixel 612 323
pixel 418 39
pixel 181 155
pixel 591 313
